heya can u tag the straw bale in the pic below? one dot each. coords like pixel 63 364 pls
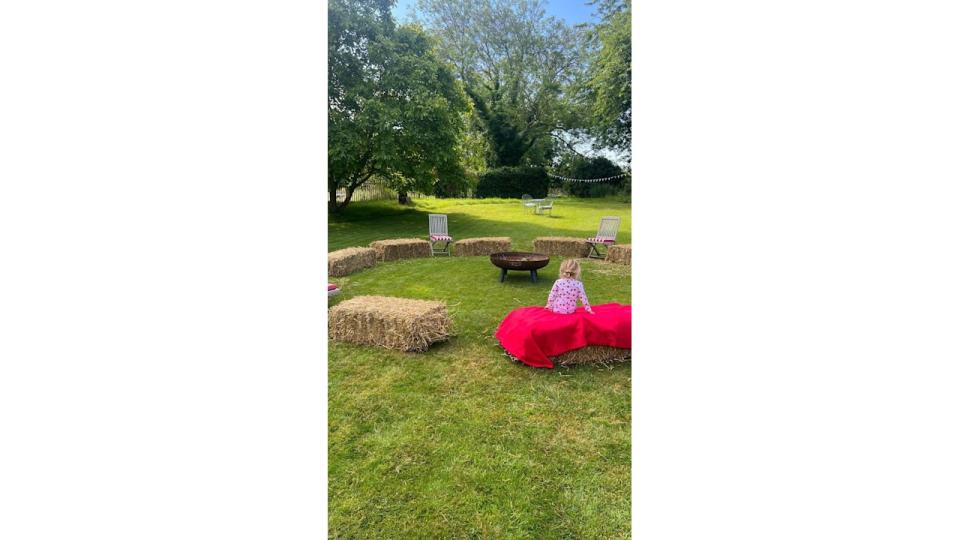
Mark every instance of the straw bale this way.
pixel 619 254
pixel 401 248
pixel 563 246
pixel 592 355
pixel 349 260
pixel 402 324
pixel 481 246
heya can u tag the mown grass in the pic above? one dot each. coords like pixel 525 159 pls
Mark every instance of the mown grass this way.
pixel 461 442
pixel 361 223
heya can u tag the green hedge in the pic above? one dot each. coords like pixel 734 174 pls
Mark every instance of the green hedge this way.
pixel 513 182
pixel 598 167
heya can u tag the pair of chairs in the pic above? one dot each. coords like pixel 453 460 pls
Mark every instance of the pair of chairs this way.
pixel 539 205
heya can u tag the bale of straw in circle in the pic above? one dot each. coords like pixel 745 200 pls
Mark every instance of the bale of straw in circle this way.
pixel 347 261
pixel 592 355
pixel 401 248
pixel 401 324
pixel 481 246
pixel 563 246
pixel 619 254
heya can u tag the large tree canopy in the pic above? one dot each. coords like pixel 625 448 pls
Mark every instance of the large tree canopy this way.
pixel 608 80
pixel 395 111
pixel 516 65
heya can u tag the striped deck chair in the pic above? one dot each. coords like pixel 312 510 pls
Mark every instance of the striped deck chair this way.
pixel 606 237
pixel 438 234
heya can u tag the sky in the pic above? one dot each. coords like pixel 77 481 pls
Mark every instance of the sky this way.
pixel 571 11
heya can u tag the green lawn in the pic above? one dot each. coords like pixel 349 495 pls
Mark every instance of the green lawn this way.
pixel 461 442
pixel 362 223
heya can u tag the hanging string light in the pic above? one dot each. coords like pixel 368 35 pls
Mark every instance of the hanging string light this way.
pixel 588 180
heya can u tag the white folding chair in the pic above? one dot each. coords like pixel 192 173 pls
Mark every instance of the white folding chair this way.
pixel 438 234
pixel 606 237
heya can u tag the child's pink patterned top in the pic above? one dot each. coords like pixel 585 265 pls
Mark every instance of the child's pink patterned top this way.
pixel 564 295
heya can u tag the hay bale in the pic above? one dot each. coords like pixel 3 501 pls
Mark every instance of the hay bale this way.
pixel 402 324
pixel 563 246
pixel 349 260
pixel 592 355
pixel 619 254
pixel 481 246
pixel 401 248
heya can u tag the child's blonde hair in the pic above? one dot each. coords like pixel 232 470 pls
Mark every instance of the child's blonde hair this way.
pixel 570 268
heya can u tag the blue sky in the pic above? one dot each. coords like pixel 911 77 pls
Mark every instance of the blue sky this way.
pixel 571 11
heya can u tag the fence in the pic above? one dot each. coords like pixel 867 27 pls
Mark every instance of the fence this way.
pixel 373 191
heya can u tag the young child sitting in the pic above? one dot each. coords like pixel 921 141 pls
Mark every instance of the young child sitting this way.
pixel 568 289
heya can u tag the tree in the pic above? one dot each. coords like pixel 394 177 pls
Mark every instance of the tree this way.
pixel 515 64
pixel 395 111
pixel 608 84
pixel 595 167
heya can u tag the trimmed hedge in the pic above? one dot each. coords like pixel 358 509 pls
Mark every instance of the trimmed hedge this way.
pixel 513 183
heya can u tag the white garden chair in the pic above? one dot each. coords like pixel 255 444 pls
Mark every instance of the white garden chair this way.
pixel 526 201
pixel 606 237
pixel 545 205
pixel 438 234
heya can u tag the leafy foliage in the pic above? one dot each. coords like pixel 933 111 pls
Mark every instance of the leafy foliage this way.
pixel 513 182
pixel 608 86
pixel 596 167
pixel 516 64
pixel 396 111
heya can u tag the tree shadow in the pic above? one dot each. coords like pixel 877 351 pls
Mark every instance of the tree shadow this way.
pixel 358 226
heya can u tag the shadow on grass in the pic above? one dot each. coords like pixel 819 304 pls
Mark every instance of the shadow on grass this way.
pixel 358 225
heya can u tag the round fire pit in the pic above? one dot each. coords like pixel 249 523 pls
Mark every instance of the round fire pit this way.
pixel 519 260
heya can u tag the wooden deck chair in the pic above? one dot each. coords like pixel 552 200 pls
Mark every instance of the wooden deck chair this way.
pixel 438 234
pixel 606 237
pixel 545 205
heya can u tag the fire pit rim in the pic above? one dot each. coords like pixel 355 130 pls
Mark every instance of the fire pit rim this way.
pixel 509 260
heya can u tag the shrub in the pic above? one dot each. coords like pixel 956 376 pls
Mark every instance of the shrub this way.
pixel 513 182
pixel 597 167
pixel 455 185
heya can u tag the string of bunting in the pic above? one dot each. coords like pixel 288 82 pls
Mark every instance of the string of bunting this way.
pixel 557 176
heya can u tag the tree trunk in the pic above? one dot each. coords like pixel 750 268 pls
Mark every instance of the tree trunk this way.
pixel 402 197
pixel 335 207
pixel 332 203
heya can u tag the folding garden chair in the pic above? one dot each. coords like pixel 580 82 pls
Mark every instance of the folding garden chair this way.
pixel 438 234
pixel 606 236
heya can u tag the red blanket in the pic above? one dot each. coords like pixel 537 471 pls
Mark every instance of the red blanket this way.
pixel 533 334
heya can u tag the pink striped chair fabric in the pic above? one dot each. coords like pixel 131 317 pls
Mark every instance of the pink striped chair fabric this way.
pixel 440 238
pixel 602 240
